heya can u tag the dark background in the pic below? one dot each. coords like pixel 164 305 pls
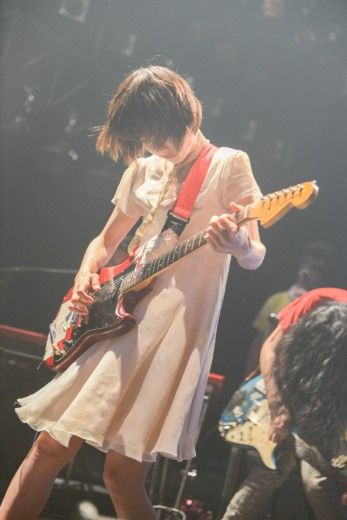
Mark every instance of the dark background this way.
pixel 272 76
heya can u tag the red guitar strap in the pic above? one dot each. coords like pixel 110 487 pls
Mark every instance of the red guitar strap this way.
pixel 179 216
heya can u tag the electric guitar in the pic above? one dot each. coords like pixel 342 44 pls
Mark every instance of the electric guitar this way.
pixel 123 286
pixel 246 419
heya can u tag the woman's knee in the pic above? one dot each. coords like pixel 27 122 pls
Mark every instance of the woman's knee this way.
pixel 112 479
pixel 122 474
pixel 45 447
pixel 116 480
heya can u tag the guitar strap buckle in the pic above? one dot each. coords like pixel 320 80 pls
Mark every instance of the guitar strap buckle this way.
pixel 176 223
pixel 178 217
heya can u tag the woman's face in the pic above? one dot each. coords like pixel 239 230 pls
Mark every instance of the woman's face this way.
pixel 169 151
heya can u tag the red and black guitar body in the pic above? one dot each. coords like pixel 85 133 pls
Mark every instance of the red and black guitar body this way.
pixel 110 315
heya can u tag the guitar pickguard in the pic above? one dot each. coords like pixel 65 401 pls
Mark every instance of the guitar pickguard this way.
pixel 246 419
pixel 110 315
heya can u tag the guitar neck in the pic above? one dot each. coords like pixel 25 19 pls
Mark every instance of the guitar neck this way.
pixel 155 266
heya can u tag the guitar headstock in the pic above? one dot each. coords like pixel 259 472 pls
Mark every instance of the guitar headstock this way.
pixel 272 207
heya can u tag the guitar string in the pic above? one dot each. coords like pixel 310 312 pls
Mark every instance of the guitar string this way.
pixel 112 285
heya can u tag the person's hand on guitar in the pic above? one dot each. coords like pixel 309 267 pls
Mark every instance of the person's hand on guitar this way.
pixel 225 236
pixel 81 297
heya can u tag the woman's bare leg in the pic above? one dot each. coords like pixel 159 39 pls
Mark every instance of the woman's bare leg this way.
pixel 29 489
pixel 125 481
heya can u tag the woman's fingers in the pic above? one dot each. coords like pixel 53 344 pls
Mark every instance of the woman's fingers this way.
pixel 220 231
pixel 81 298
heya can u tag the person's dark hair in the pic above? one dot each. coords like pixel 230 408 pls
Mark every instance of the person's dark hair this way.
pixel 311 373
pixel 319 257
pixel 152 103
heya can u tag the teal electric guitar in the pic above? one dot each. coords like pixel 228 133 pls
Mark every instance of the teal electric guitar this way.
pixel 246 420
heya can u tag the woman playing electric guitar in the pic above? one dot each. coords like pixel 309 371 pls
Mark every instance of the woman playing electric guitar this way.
pixel 140 394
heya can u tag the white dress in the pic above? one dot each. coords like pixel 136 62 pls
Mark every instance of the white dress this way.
pixel 141 394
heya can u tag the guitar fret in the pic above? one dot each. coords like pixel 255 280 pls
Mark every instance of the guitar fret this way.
pixel 156 268
pixel 166 259
pixel 169 256
pixel 147 271
pixel 139 274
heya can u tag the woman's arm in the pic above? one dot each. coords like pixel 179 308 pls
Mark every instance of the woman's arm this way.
pixel 280 417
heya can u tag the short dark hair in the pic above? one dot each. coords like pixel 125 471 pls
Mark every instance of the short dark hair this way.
pixel 310 369
pixel 153 103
